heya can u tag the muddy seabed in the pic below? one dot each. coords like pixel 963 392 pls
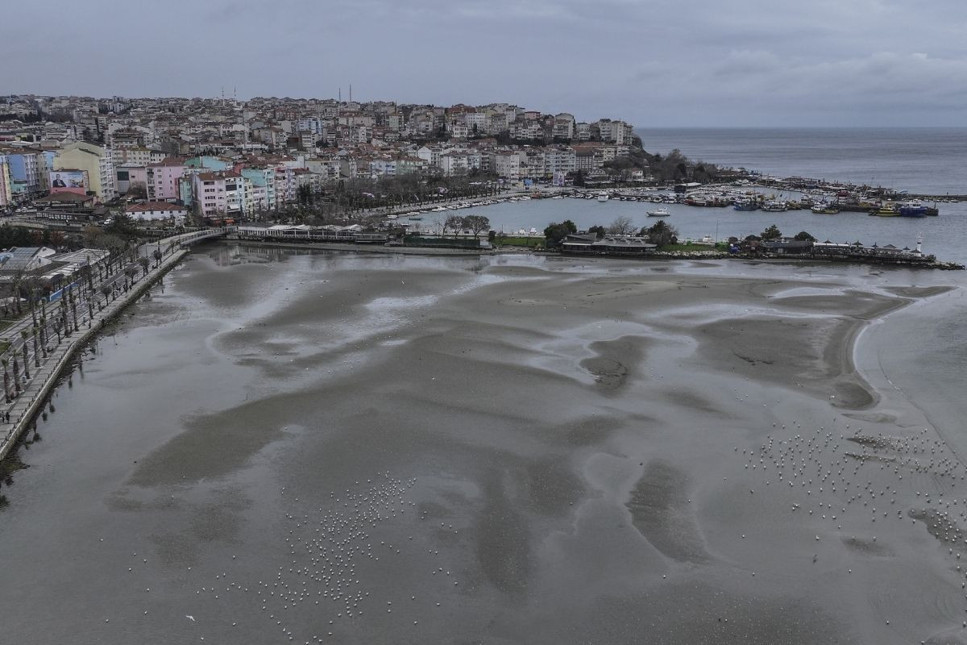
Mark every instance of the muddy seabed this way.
pixel 289 447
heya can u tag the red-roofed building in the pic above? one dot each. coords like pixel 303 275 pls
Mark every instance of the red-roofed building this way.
pixel 157 211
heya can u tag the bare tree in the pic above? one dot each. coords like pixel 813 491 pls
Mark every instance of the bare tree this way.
pixel 621 226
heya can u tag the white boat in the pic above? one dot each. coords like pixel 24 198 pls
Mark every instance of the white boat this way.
pixel 661 211
pixel 603 197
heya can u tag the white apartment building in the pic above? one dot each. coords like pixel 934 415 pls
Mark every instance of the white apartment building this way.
pixel 559 160
pixel 508 165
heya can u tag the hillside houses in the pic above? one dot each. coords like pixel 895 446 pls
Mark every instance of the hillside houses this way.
pixel 235 158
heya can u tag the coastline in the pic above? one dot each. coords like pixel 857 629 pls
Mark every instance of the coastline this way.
pixel 36 393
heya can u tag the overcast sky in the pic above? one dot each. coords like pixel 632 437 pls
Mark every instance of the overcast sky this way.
pixel 654 63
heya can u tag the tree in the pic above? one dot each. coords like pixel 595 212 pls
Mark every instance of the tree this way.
pixel 477 224
pixel 803 236
pixel 453 223
pixel 599 231
pixel 661 234
pixel 771 233
pixel 621 226
pixel 555 233
pixel 23 348
pixel 6 381
pixel 137 190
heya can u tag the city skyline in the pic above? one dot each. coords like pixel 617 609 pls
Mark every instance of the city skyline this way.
pixel 751 63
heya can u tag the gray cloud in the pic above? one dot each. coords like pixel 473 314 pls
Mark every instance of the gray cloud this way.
pixel 652 62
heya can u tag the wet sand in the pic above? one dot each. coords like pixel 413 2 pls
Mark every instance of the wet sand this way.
pixel 321 448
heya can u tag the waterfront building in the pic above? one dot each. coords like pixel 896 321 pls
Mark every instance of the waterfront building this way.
pixel 559 159
pixel 155 211
pixel 219 194
pixel 262 180
pixel 507 165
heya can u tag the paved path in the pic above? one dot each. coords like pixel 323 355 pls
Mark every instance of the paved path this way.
pixel 17 416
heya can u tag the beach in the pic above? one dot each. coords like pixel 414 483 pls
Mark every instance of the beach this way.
pixel 315 447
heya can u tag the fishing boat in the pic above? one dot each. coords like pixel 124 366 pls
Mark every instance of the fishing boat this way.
pixel 912 209
pixel 746 205
pixel 774 206
pixel 661 211
pixel 886 210
pixel 824 208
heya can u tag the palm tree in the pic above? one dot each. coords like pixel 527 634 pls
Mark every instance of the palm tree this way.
pixel 43 331
pixel 6 381
pixel 16 374
pixel 26 353
pixel 33 332
pixel 73 303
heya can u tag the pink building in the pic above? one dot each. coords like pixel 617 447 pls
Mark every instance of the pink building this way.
pixel 162 179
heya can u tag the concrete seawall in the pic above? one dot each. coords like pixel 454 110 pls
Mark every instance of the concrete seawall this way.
pixel 24 409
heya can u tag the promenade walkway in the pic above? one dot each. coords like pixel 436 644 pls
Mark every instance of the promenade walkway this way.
pixel 89 313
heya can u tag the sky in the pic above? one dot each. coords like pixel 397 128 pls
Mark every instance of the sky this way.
pixel 652 63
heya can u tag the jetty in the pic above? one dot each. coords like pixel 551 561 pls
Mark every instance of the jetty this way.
pixel 41 347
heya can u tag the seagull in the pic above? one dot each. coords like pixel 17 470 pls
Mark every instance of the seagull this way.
pixel 191 618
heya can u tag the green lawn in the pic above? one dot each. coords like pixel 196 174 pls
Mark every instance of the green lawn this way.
pixel 523 241
pixel 690 248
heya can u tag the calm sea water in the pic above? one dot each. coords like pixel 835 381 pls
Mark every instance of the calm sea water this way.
pixel 927 160
pixel 921 160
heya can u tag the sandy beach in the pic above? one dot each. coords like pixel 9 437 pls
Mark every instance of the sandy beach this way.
pixel 326 448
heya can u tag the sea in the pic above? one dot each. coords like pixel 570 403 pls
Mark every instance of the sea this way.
pixel 918 160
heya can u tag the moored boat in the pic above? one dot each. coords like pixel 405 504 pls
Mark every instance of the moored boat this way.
pixel 824 208
pixel 912 209
pixel 774 206
pixel 888 209
pixel 661 211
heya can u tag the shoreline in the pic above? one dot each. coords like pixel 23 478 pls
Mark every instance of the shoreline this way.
pixel 659 255
pixel 26 407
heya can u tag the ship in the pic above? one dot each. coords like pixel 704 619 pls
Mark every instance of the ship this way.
pixel 912 209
